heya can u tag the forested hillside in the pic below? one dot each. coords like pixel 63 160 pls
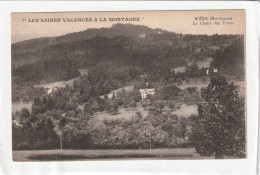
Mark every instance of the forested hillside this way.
pixel 138 46
pixel 127 30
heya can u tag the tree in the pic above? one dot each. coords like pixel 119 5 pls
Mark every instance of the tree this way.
pixel 113 96
pixel 113 108
pixel 136 94
pixel 24 113
pixel 220 130
pixel 159 105
pixel 187 80
pixel 37 106
pixel 172 105
pixel 172 125
pixel 75 84
pixel 192 71
pixel 168 92
pixel 24 116
pixel 179 81
pixel 62 124
pixel 138 116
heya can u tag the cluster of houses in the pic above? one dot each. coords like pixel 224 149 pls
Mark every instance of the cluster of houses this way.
pixel 201 64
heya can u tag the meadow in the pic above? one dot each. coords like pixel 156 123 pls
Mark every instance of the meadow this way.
pixel 59 155
pixel 17 106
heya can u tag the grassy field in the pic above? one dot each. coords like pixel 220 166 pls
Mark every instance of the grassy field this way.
pixel 62 84
pixel 186 110
pixel 198 85
pixel 122 113
pixel 59 155
pixel 17 106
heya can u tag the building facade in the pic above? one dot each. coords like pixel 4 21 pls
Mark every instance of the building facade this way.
pixel 145 92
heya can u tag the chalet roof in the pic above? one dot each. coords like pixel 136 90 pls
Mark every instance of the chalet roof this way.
pixel 147 90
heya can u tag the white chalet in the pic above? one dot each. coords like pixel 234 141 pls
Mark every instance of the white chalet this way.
pixel 214 70
pixel 145 92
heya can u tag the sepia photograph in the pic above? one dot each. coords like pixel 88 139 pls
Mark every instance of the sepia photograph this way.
pixel 128 85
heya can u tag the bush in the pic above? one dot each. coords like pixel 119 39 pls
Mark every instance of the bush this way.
pixel 179 81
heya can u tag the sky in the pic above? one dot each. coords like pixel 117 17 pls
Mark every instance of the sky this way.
pixel 230 22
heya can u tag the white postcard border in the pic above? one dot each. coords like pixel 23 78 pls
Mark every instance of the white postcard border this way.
pixel 243 166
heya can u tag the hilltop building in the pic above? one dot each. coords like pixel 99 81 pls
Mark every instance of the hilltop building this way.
pixel 214 48
pixel 142 35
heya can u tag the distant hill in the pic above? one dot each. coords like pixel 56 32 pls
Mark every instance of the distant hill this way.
pixel 58 58
pixel 127 30
pixel 32 45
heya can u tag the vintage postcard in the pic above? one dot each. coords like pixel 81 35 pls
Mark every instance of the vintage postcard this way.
pixel 128 85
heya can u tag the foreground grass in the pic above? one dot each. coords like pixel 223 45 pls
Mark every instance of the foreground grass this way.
pixel 61 155
pixel 49 157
